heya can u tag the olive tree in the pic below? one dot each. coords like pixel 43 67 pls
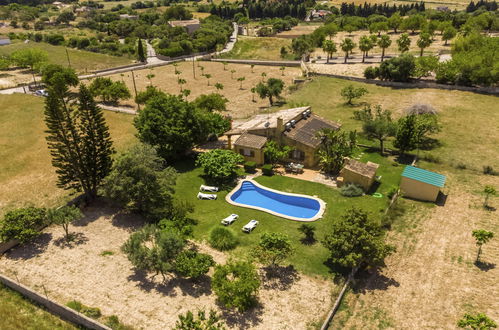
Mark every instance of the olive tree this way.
pixel 64 216
pixel 482 237
pixel 236 285
pixel 378 125
pixel 273 248
pixel 220 165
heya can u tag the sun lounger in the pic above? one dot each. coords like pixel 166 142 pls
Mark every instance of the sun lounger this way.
pixel 230 219
pixel 207 196
pixel 208 188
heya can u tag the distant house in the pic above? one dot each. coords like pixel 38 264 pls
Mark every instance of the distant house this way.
pixel 443 8
pixel 81 11
pixel 126 16
pixel 4 41
pixel 191 25
pixel 319 14
pixel 362 174
pixel 297 128
pixel 421 184
pixel 60 5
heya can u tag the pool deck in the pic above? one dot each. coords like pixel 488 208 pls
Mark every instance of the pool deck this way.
pixel 310 175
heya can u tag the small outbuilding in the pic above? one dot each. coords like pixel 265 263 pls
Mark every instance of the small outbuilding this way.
pixel 421 184
pixel 362 174
pixel 250 146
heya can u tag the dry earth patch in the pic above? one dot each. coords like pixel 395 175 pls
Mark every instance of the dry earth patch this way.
pixel 81 271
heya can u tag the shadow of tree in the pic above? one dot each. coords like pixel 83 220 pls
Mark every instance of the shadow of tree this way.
pixel 193 288
pixel 484 266
pixel 32 249
pixel 74 240
pixel 373 280
pixel 129 221
pixel 242 320
pixel 279 277
pixel 308 240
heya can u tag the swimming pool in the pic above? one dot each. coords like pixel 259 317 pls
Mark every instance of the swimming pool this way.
pixel 251 194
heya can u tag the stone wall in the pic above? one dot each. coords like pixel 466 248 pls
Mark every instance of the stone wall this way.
pixel 63 312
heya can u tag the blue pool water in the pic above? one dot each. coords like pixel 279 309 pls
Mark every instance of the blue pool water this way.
pixel 294 206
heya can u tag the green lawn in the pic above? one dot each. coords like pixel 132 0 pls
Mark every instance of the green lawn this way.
pixel 16 312
pixel 308 259
pixel 82 61
pixel 259 48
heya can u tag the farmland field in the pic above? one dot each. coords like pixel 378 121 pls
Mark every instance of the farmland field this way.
pixel 240 103
pixel 259 48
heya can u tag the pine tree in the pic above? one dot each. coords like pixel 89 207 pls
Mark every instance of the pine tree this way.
pixel 97 146
pixel 78 138
pixel 140 51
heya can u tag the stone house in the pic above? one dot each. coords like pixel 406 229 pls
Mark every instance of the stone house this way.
pixel 190 25
pixel 362 174
pixel 297 128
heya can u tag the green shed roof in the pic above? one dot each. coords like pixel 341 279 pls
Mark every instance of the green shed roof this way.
pixel 425 176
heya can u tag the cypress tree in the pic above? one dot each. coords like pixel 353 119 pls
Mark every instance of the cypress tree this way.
pixel 140 51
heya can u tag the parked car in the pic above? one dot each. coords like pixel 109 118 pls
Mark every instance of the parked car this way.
pixel 248 228
pixel 230 219
pixel 41 92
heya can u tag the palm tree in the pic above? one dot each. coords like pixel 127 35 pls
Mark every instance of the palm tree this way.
pixel 488 191
pixel 241 79
pixel 384 42
pixel 424 41
pixel 208 76
pixel 232 73
pixel 150 76
pixel 365 45
pixel 347 45
pixel 252 66
pixel 282 68
pixel 181 82
pixel 219 86
pixel 404 42
pixel 253 91
pixel 263 76
pixel 329 48
pixel 202 69
pixel 225 65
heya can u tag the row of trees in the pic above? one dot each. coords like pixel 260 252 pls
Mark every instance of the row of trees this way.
pixel 473 63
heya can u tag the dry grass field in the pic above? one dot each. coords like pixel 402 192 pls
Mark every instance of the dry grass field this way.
pixel 259 48
pixel 295 301
pixel 26 173
pixel 299 30
pixel 240 100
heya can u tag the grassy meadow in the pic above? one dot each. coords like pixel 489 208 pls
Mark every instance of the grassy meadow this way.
pixel 16 312
pixel 26 173
pixel 82 61
pixel 259 48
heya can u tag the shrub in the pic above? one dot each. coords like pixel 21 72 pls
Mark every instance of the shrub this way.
pixel 249 167
pixel 236 285
pixel 220 165
pixel 392 192
pixel 22 224
pixel 489 170
pixel 223 239
pixel 92 312
pixel 371 72
pixel 114 323
pixel 461 166
pixel 267 169
pixel 192 264
pixel 351 190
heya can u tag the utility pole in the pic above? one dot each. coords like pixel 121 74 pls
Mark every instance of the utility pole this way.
pixel 67 55
pixel 193 67
pixel 135 89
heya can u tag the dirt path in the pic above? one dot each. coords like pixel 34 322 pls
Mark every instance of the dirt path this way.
pixel 84 273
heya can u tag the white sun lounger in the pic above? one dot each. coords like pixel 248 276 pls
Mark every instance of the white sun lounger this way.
pixel 230 219
pixel 208 188
pixel 207 196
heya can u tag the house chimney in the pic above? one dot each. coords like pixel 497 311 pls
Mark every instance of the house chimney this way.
pixel 280 125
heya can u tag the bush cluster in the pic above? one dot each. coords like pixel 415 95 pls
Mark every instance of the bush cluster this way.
pixel 351 190
pixel 223 239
